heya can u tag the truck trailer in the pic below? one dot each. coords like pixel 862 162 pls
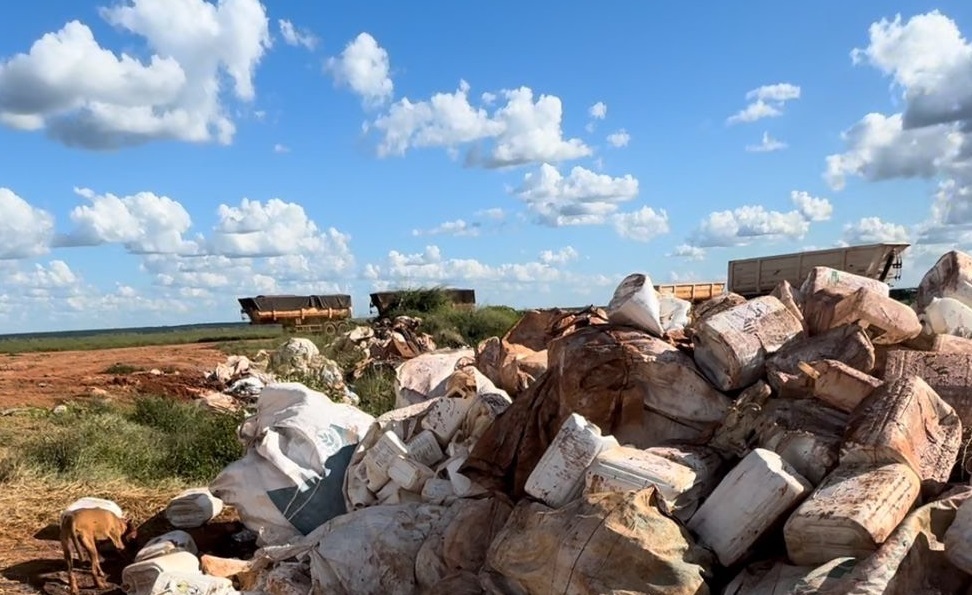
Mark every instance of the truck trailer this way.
pixel 753 277
pixel 303 313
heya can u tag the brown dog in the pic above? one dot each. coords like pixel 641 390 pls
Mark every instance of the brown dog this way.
pixel 83 528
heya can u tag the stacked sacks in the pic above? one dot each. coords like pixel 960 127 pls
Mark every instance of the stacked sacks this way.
pixel 773 454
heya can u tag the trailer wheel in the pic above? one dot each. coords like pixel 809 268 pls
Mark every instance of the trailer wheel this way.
pixel 344 326
pixel 330 329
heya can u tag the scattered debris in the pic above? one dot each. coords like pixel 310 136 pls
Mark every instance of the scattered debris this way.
pixel 811 440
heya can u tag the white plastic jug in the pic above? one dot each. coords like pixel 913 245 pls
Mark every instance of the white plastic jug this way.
pixel 139 578
pixel 168 543
pixel 947 316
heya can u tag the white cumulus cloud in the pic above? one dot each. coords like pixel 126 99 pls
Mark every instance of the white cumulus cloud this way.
pixel 619 139
pixel 296 37
pixel 87 96
pixel 642 225
pixel 364 66
pixel 767 101
pixel 458 227
pixel 144 223
pixel 767 145
pixel 559 257
pixel 521 131
pixel 740 226
pixel 598 111
pixel 582 197
pixel 872 230
pixel 25 230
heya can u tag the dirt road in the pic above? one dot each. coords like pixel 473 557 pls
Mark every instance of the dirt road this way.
pixel 48 379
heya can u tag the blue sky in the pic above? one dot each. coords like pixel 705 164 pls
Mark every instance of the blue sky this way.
pixel 161 158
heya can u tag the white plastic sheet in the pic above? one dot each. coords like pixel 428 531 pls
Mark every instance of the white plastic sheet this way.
pixel 290 481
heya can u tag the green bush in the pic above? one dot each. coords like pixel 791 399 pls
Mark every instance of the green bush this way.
pixel 156 439
pixel 376 389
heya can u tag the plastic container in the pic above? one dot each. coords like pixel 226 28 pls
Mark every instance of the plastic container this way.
pixel 673 313
pixel 905 421
pixel 559 475
pixel 193 508
pixel 409 474
pixel 445 416
pixel 168 543
pixel 424 449
pixel 947 316
pixel 958 538
pixel 380 457
pixel 625 469
pixel 852 512
pixel 889 321
pixel 750 499
pixel 139 578
pixel 839 385
pixel 731 347
pixel 635 303
pixel 950 277
pixel 188 583
pixel 839 282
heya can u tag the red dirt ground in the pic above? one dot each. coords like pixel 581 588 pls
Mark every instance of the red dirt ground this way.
pixel 51 378
pixel 31 564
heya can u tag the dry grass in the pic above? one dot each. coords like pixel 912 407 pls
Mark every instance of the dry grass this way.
pixel 31 502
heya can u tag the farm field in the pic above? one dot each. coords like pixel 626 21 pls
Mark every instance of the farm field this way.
pixel 98 385
pixel 110 414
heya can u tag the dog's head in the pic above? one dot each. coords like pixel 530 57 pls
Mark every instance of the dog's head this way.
pixel 131 532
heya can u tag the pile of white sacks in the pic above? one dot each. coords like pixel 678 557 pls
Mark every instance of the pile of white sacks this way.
pixel 810 441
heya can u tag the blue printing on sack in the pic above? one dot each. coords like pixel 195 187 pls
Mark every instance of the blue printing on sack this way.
pixel 321 500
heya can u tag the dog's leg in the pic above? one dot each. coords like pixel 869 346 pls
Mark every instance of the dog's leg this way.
pixel 99 576
pixel 67 534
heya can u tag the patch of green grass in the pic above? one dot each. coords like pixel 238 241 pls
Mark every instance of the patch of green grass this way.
pixel 111 339
pixel 120 369
pixel 376 389
pixel 154 440
pixel 451 325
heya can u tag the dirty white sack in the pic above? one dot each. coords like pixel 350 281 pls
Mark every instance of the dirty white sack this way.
pixel 298 445
pixel 635 303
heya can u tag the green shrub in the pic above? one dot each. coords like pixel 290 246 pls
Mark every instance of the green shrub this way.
pixel 121 369
pixel 376 389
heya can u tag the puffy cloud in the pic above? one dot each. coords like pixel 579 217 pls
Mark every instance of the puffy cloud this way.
pixel 619 139
pixel 495 213
pixel 767 145
pixel 580 198
pixel 872 230
pixel 642 225
pixel 811 207
pixel 688 252
pixel 431 267
pixel 560 257
pixel 86 96
pixel 296 37
pixel 598 111
pixel 522 131
pixel 25 230
pixel 880 148
pixel 279 229
pixel 459 227
pixel 930 62
pixel 144 223
pixel 56 277
pixel 364 66
pixel 740 226
pixel 765 102
pixel 279 148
